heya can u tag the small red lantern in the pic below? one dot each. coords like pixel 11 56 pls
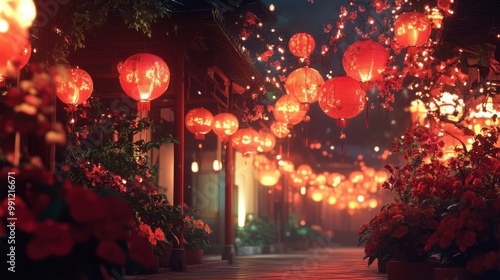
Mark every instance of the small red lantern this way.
pixel 267 141
pixel 225 125
pixel 288 110
pixel 342 98
pixel 144 77
pixel 303 84
pixel 301 45
pixel 269 177
pixel 365 60
pixel 280 129
pixel 304 170
pixel 412 29
pixel 199 122
pixel 73 85
pixel 245 141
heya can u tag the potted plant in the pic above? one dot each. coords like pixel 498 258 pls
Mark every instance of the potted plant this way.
pixel 455 200
pixel 196 239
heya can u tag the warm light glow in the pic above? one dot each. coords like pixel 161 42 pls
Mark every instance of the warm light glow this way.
pixel 217 165
pixel 73 85
pixel 194 167
pixel 317 195
pixel 199 121
pixel 303 190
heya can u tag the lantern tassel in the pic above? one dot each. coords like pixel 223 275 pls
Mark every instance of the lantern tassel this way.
pixel 367 122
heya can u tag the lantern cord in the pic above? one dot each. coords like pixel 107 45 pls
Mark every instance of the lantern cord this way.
pixel 367 122
pixel 201 154
pixel 307 134
pixel 342 152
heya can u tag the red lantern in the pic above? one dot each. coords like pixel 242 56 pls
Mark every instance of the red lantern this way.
pixel 15 19
pixel 224 125
pixel 412 29
pixel 144 77
pixel 269 177
pixel 245 141
pixel 73 85
pixel 342 98
pixel 301 45
pixel 304 170
pixel 280 129
pixel 365 60
pixel 288 110
pixel 267 141
pixel 303 84
pixel 199 122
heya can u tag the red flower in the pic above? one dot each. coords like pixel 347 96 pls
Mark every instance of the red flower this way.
pixel 50 238
pixel 84 205
pixel 400 231
pixel 140 250
pixel 370 248
pixel 465 239
pixel 111 252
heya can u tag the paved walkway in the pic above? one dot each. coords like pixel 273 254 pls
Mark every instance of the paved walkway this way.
pixel 320 263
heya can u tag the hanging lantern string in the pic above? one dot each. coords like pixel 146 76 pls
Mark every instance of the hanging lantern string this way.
pixel 342 137
pixel 200 146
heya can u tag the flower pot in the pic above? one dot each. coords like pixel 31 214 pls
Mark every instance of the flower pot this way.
pixel 194 256
pixel 398 270
pixel 452 273
pixel 164 258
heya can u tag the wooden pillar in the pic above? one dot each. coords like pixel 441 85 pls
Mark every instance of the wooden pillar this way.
pixel 228 251
pixel 178 257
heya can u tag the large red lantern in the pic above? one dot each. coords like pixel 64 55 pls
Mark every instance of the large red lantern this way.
pixel 225 125
pixel 245 141
pixel 412 29
pixel 15 19
pixel 267 141
pixel 342 98
pixel 73 85
pixel 303 84
pixel 288 110
pixel 301 45
pixel 144 77
pixel 365 60
pixel 199 121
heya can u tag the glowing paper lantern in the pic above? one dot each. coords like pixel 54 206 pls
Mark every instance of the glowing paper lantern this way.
pixel 303 84
pixel 199 122
pixel 245 141
pixel 342 98
pixel 304 170
pixel 365 60
pixel 412 29
pixel 280 129
pixel 268 177
pixel 15 19
pixel 267 141
pixel 224 125
pixel 286 166
pixel 288 110
pixel 144 77
pixel 73 86
pixel 301 45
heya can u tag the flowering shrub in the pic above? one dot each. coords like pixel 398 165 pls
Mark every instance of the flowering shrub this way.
pixel 454 205
pixel 196 234
pixel 51 229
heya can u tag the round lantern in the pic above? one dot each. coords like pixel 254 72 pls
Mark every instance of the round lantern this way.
pixel 267 141
pixel 301 45
pixel 412 29
pixel 73 86
pixel 304 170
pixel 245 141
pixel 303 84
pixel 15 19
pixel 144 77
pixel 286 166
pixel 288 110
pixel 342 98
pixel 225 125
pixel 280 129
pixel 269 177
pixel 199 122
pixel 365 61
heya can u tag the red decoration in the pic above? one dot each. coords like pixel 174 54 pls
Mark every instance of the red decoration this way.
pixel 303 84
pixel 15 19
pixel 73 85
pixel 288 110
pixel 267 141
pixel 224 125
pixel 412 29
pixel 301 45
pixel 144 77
pixel 245 141
pixel 280 129
pixel 365 60
pixel 342 98
pixel 199 122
